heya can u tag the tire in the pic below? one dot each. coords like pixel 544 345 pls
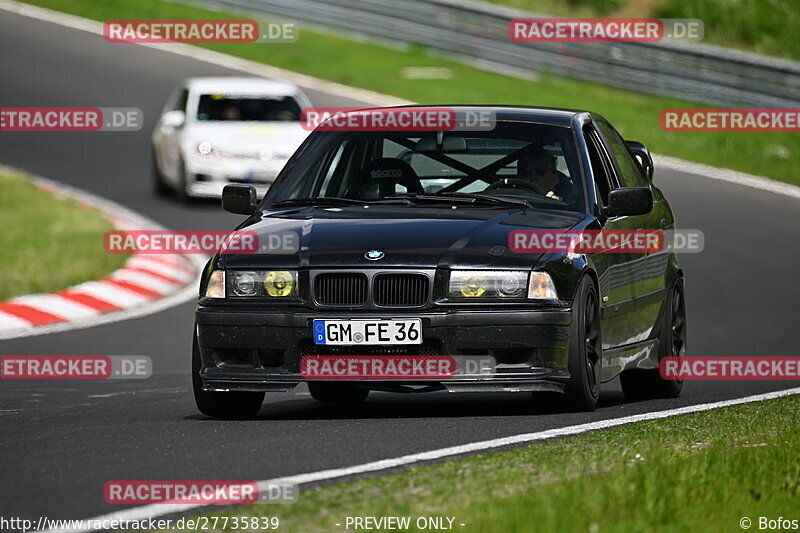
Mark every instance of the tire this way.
pixel 159 185
pixel 647 384
pixel 336 392
pixel 585 349
pixel 227 405
pixel 181 192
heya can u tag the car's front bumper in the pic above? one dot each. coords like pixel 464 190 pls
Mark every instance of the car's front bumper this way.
pixel 208 178
pixel 260 349
pixel 213 189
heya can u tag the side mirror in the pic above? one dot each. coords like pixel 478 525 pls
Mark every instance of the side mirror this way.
pixel 642 154
pixel 173 119
pixel 629 201
pixel 239 199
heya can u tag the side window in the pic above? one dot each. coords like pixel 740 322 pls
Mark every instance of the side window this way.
pixel 328 188
pixel 599 163
pixel 180 103
pixel 629 172
pixel 392 149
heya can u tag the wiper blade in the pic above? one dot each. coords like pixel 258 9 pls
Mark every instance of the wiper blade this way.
pixel 462 197
pixel 484 198
pixel 320 200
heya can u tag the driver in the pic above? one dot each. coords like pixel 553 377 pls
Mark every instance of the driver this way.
pixel 538 166
pixel 231 113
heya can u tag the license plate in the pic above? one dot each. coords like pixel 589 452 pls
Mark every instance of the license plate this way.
pixel 368 332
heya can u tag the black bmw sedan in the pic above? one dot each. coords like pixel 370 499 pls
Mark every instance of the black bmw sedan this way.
pixel 391 259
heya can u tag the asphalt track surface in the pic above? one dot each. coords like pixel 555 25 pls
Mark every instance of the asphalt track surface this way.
pixel 60 441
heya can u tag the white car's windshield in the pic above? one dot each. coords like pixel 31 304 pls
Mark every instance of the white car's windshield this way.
pixel 224 107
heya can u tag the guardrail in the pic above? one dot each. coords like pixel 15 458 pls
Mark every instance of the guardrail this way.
pixel 478 31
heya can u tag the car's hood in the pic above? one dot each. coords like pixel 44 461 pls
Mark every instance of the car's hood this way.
pixel 282 137
pixel 407 236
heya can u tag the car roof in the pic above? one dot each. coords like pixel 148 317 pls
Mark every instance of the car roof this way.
pixel 243 85
pixel 547 115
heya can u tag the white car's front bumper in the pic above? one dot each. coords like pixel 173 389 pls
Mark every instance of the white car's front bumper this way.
pixel 208 178
pixel 213 189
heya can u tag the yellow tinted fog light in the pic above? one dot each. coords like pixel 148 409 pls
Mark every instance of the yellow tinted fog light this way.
pixel 473 287
pixel 280 283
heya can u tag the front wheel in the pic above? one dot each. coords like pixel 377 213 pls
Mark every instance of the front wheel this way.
pixel 182 188
pixel 159 184
pixel 645 384
pixel 585 349
pixel 228 405
pixel 336 392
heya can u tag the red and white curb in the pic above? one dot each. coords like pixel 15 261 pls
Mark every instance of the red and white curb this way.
pixel 146 284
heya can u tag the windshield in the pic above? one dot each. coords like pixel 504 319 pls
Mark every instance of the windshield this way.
pixel 221 107
pixel 521 162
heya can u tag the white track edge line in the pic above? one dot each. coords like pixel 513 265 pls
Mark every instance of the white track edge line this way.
pixel 761 183
pixel 156 510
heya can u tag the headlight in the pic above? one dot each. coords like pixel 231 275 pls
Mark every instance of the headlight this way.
pixel 262 283
pixel 245 283
pixel 204 148
pixel 501 284
pixel 487 284
pixel 216 285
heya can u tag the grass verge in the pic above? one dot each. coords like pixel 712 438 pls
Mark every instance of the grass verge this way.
pixel 50 242
pixel 698 472
pixel 379 68
pixel 750 25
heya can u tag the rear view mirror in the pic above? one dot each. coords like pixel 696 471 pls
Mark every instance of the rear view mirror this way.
pixel 446 144
pixel 239 199
pixel 642 155
pixel 629 201
pixel 173 119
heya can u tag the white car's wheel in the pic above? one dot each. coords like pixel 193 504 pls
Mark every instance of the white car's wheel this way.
pixel 161 187
pixel 181 188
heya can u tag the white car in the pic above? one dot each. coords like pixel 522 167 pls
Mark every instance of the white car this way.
pixel 221 130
